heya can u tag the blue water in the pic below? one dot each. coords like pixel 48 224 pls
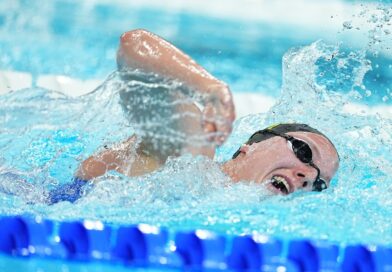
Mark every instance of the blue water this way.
pixel 45 135
pixel 80 40
pixel 36 264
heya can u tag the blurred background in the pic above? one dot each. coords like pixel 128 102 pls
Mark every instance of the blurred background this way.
pixel 240 42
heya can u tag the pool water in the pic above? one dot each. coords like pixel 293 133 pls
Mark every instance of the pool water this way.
pixel 45 135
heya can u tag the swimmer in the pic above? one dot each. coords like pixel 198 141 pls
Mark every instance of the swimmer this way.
pixel 289 157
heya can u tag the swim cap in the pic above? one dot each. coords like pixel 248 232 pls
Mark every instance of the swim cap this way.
pixel 293 127
pixel 282 129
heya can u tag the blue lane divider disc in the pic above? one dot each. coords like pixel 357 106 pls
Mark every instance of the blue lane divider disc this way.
pixel 201 249
pixel 360 258
pixel 313 256
pixel 144 245
pixel 38 232
pixel 248 253
pixel 156 240
pixel 130 245
pixel 140 245
pixel 85 240
pixel 14 238
pixel 74 237
pixel 99 240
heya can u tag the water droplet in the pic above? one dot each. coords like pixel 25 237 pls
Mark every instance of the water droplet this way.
pixel 347 25
pixel 373 19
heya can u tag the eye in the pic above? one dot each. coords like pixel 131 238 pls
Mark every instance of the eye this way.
pixel 302 150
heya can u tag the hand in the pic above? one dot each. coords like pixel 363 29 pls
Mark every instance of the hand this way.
pixel 218 113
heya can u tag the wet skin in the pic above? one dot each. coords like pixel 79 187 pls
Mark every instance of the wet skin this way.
pixel 261 161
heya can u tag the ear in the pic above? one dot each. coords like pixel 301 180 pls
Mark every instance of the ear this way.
pixel 244 148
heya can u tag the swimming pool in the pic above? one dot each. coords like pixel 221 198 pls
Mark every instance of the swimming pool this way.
pixel 79 40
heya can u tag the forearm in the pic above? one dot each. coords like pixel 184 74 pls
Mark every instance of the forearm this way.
pixel 108 159
pixel 144 50
pixel 97 165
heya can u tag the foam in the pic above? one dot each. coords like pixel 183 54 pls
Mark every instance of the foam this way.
pixel 13 80
pixel 245 102
pixel 69 86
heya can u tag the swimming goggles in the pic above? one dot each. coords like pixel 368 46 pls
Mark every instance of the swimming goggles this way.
pixel 301 150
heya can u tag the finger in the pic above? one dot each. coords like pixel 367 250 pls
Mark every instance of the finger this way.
pixel 223 120
pixel 228 112
pixel 227 109
pixel 209 127
pixel 223 130
pixel 208 124
pixel 210 131
pixel 208 115
pixel 219 115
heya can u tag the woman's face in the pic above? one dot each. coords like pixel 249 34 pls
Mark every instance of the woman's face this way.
pixel 274 160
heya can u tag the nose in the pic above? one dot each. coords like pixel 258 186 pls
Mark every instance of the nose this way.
pixel 304 176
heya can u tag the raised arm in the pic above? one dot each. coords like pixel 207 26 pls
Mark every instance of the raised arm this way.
pixel 140 49
pixel 144 50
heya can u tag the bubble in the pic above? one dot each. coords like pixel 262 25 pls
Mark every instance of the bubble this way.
pixel 347 25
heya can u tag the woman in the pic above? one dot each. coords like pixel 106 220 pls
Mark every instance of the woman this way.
pixel 288 156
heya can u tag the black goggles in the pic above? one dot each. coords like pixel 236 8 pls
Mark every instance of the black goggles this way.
pixel 300 148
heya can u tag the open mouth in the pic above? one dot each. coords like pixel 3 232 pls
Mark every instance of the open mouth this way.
pixel 281 184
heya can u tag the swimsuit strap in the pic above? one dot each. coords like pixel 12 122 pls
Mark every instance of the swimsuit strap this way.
pixel 68 192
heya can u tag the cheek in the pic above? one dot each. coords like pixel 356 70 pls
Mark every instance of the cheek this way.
pixel 267 161
pixel 278 156
pixel 268 156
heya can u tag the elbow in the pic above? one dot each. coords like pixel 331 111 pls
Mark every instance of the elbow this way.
pixel 132 41
pixel 132 46
pixel 134 35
